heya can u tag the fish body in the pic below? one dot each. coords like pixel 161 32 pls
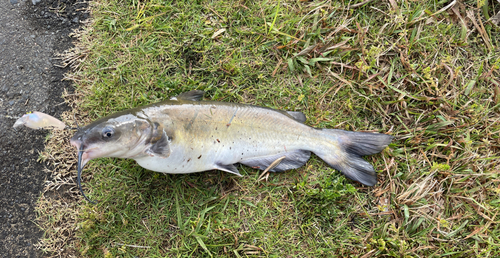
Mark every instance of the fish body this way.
pixel 210 135
pixel 186 135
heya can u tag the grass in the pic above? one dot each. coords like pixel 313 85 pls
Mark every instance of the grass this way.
pixel 424 71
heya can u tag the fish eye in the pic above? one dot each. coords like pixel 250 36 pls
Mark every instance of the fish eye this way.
pixel 107 132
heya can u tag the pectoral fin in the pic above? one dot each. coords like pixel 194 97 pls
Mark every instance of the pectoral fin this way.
pixel 228 168
pixel 159 142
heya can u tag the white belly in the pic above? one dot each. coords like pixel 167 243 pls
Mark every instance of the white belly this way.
pixel 190 159
pixel 180 161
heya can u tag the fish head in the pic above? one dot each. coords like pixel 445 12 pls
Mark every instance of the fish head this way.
pixel 125 134
pixel 120 136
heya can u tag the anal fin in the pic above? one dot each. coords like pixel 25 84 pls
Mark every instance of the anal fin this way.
pixel 293 159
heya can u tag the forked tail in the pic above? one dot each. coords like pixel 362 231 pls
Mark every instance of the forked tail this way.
pixel 348 149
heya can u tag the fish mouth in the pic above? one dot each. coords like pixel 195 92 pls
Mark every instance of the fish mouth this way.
pixel 83 158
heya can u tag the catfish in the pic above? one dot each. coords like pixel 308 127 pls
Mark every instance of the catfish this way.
pixel 186 134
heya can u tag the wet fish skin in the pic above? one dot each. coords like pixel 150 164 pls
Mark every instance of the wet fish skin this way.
pixel 186 135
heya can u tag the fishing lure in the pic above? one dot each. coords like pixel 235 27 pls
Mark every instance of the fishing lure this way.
pixel 39 120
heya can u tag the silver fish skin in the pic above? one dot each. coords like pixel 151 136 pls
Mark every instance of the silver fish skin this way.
pixel 186 135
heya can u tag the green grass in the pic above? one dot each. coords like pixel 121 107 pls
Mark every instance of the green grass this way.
pixel 406 68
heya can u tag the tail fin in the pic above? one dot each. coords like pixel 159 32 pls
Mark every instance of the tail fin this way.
pixel 352 146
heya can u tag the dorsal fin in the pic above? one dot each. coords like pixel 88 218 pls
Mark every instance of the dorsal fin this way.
pixel 297 115
pixel 194 95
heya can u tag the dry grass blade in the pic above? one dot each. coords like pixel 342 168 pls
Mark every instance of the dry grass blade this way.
pixel 358 4
pixel 420 189
pixel 394 6
pixel 133 246
pixel 340 44
pixel 369 254
pixel 75 56
pixel 450 5
pixel 265 173
pixel 306 51
pixel 480 29
pixel 340 78
pixel 495 19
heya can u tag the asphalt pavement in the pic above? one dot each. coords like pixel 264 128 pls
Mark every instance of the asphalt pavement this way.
pixel 31 32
